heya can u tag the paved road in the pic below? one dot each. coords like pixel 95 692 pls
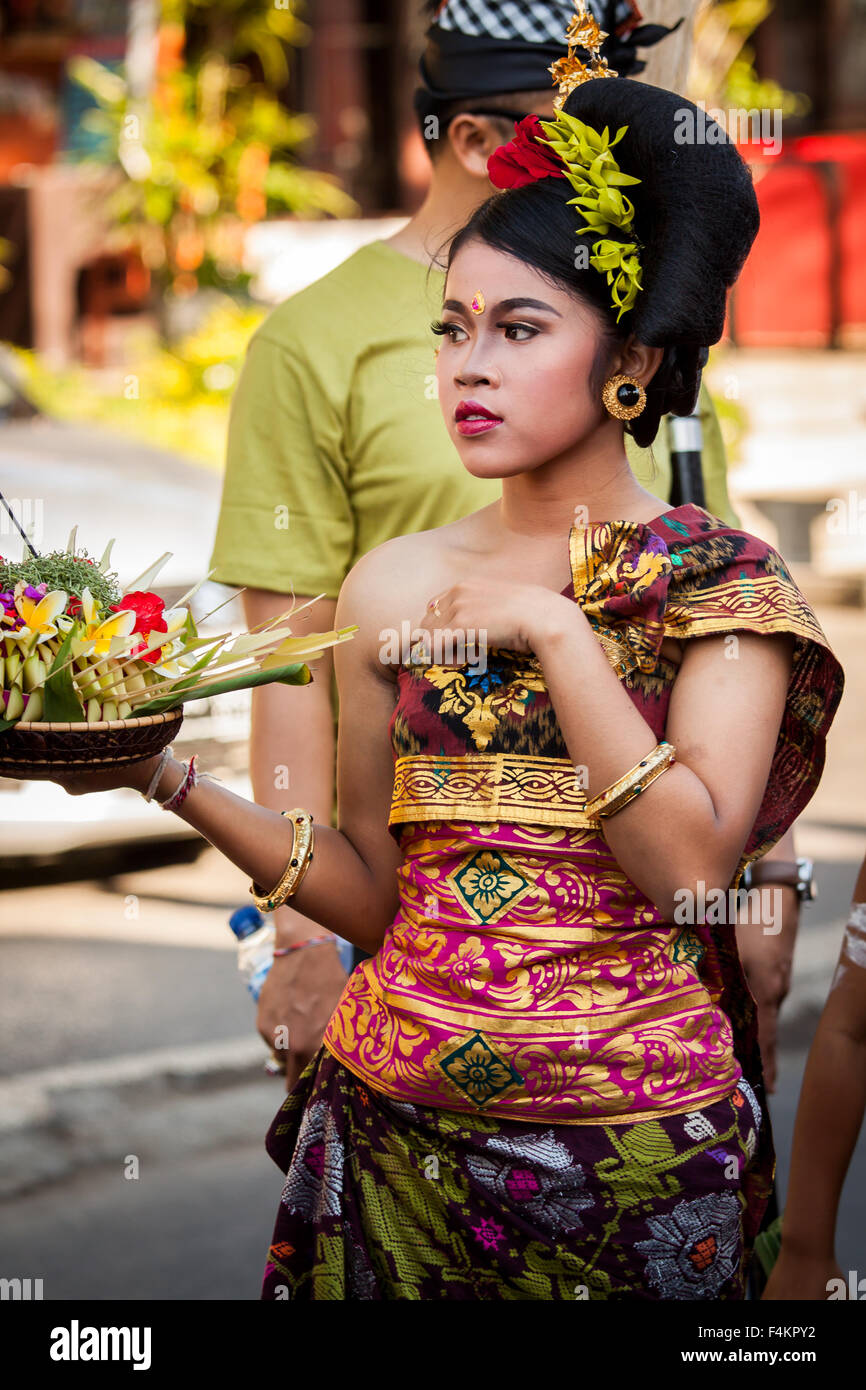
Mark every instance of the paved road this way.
pixel 92 970
pixel 59 474
pixel 194 1228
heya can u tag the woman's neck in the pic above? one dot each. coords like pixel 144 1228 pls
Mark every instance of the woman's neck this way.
pixel 538 505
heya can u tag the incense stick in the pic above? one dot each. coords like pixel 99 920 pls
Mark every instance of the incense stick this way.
pixel 16 523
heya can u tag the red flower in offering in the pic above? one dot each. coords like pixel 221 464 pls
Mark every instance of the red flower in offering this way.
pixel 148 609
pixel 524 159
pixel 152 657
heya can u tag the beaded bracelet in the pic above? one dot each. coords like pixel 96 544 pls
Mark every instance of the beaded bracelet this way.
pixel 298 945
pixel 167 752
pixel 178 797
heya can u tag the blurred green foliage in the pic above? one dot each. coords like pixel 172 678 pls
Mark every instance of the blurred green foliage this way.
pixel 211 149
pixel 175 398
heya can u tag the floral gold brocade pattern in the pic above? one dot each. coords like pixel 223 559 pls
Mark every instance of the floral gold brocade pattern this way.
pixel 487 885
pixel 478 1071
pixel 685 574
pixel 556 960
pixel 621 574
pixel 538 1084
pixel 481 698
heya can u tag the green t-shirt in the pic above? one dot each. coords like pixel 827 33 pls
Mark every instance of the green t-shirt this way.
pixel 336 440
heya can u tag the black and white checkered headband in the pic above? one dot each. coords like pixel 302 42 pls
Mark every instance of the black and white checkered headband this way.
pixel 478 48
pixel 527 20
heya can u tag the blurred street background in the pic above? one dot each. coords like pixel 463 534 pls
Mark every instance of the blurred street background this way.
pixel 169 170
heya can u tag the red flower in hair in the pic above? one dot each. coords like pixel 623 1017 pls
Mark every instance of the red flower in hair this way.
pixel 524 159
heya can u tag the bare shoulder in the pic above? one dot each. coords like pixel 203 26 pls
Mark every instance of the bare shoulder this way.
pixel 394 582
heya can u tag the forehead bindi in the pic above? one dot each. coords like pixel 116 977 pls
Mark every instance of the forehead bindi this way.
pixel 503 306
pixel 503 281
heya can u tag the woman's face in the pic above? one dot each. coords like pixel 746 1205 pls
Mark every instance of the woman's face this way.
pixel 526 360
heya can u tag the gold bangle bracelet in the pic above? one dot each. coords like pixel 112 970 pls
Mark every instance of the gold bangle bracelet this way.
pixel 624 790
pixel 299 861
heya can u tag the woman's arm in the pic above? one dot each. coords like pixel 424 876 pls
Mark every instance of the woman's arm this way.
pixel 829 1116
pixel 292 727
pixel 690 826
pixel 351 886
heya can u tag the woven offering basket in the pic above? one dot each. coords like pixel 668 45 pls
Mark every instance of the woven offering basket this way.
pixel 39 751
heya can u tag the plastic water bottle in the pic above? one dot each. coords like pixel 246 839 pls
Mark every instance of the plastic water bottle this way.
pixel 256 939
pixel 255 946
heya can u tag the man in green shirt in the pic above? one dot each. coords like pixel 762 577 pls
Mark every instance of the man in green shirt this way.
pixel 337 443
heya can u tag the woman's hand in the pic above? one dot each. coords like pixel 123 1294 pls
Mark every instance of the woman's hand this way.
pixel 766 962
pixel 801 1276
pixel 299 994
pixel 480 613
pixel 135 775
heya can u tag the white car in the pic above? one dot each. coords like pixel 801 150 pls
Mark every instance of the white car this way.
pixel 56 476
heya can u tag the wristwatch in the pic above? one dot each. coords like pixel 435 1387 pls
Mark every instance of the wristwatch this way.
pixel 796 875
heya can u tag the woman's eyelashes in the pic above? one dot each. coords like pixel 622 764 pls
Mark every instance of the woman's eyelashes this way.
pixel 519 328
pixel 449 328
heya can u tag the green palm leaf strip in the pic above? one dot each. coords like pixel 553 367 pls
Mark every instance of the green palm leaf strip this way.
pixel 296 674
pixel 61 701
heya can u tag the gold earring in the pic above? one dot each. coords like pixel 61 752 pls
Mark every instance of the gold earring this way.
pixel 623 397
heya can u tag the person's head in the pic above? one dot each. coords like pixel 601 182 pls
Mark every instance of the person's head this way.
pixel 695 218
pixel 462 134
pixel 486 66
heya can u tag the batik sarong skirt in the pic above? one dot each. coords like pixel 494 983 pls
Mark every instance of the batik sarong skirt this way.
pixel 386 1200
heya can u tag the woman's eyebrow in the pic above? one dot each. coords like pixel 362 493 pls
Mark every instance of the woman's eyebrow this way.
pixel 505 305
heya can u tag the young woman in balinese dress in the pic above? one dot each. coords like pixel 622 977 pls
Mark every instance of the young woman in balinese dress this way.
pixel 545 1082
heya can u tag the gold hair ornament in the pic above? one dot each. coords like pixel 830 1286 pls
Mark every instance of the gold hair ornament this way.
pixel 569 72
pixel 586 159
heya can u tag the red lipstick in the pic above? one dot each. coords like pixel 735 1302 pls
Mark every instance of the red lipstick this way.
pixel 474 418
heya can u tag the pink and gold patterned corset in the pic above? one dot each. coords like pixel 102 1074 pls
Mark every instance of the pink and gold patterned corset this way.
pixel 524 974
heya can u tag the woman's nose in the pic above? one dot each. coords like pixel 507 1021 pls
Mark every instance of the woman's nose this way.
pixel 476 371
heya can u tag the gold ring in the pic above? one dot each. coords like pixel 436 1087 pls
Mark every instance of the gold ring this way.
pixel 436 609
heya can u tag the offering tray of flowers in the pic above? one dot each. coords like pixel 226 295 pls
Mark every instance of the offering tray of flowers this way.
pixel 96 674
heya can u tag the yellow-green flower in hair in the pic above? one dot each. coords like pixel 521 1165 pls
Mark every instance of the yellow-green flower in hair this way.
pixel 593 172
pixel 620 262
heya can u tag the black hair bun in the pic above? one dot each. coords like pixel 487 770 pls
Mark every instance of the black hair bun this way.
pixel 696 213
